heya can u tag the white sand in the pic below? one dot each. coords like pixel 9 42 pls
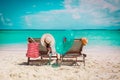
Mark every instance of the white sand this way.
pixel 100 65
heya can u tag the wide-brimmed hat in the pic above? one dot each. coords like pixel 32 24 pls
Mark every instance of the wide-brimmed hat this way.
pixel 47 38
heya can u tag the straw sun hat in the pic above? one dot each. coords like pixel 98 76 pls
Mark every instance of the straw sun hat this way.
pixel 48 38
pixel 84 41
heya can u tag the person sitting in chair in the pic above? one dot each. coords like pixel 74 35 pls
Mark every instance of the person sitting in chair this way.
pixel 48 41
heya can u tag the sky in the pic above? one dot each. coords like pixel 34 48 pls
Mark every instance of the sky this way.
pixel 59 14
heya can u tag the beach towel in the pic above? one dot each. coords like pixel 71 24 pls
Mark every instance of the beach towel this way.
pixel 33 50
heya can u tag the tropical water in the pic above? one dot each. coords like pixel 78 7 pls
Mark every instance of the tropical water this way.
pixel 95 37
pixel 99 41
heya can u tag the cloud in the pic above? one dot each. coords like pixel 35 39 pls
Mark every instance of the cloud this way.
pixel 50 19
pixel 76 16
pixel 5 21
pixel 94 11
pixel 77 13
pixel 88 6
pixel 27 20
pixel 114 2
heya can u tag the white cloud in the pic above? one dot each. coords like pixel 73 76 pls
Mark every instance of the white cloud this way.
pixel 106 21
pixel 76 12
pixel 6 21
pixel 2 19
pixel 100 4
pixel 67 4
pixel 27 20
pixel 76 16
pixel 114 2
pixel 93 9
pixel 111 7
pixel 89 5
pixel 49 19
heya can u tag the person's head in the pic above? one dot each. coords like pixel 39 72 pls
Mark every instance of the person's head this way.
pixel 64 40
pixel 30 40
pixel 48 40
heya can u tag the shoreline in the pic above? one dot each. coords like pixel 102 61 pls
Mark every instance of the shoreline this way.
pixel 87 48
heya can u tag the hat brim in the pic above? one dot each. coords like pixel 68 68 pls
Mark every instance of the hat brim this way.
pixel 52 40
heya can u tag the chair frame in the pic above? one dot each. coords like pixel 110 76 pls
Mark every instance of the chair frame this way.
pixel 68 54
pixel 75 54
pixel 43 53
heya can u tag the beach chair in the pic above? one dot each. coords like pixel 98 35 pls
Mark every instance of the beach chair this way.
pixel 75 51
pixel 33 52
pixel 43 53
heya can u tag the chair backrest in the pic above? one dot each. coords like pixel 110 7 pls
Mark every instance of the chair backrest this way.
pixel 76 47
pixel 41 47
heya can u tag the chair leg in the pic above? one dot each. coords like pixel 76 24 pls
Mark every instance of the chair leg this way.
pixel 28 62
pixel 76 61
pixel 84 55
pixel 41 57
pixel 50 60
pixel 62 59
pixel 84 60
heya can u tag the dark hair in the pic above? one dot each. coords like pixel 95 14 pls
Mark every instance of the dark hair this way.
pixel 64 40
pixel 47 44
pixel 30 40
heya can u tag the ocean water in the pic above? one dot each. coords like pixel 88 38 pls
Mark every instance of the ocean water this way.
pixel 95 37
pixel 99 41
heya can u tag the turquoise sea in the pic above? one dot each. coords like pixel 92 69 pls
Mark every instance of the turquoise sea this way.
pixel 95 37
pixel 99 41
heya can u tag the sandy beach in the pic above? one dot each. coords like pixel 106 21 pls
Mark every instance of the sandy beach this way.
pixel 100 65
